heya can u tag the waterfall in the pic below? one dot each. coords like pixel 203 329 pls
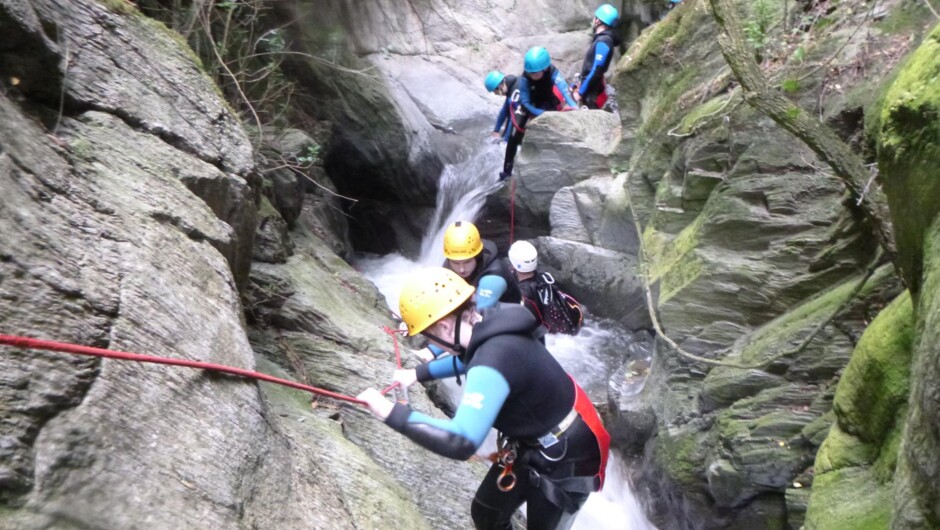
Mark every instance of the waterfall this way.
pixel 590 356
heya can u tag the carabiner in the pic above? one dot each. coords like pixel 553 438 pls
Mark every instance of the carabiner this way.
pixel 506 480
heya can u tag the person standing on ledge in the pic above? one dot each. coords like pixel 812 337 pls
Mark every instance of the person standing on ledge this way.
pixel 592 89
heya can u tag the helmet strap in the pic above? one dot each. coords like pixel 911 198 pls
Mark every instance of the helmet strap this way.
pixel 456 346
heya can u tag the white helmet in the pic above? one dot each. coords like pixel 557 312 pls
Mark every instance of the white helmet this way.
pixel 523 256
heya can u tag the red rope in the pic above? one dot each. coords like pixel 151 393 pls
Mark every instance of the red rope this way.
pixel 39 344
pixel 512 118
pixel 394 333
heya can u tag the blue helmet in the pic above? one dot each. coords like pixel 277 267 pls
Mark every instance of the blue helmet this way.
pixel 537 59
pixel 493 79
pixel 607 14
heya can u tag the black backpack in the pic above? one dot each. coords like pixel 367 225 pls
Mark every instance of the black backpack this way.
pixel 561 313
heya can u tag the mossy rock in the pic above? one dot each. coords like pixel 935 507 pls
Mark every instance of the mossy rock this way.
pixel 875 385
pixel 848 499
pixel 842 450
pixel 908 148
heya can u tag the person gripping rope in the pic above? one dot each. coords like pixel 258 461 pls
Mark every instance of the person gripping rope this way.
pixel 591 91
pixel 553 447
pixel 541 88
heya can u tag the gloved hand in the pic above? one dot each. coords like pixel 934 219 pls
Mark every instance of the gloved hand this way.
pixel 405 377
pixel 378 405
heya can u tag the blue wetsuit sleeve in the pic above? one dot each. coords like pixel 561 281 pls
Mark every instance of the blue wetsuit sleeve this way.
pixel 503 116
pixel 509 126
pixel 447 366
pixel 525 99
pixel 490 290
pixel 601 52
pixel 562 85
pixel 458 438
pixel 436 351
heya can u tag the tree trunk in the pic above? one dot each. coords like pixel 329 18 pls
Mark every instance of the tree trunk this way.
pixel 845 163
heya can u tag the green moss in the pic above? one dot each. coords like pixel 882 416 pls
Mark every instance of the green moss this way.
pixel 876 382
pixel 908 148
pixel 672 31
pixel 849 499
pixel 907 19
pixel 673 262
pixel 790 86
pixel 667 107
pixel 678 454
pixel 705 110
pixel 790 327
pixel 841 450
pixel 123 7
pixel 887 461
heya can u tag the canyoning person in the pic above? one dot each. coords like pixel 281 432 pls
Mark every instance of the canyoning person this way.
pixel 591 90
pixel 558 311
pixel 552 445
pixel 541 88
pixel 503 85
pixel 475 260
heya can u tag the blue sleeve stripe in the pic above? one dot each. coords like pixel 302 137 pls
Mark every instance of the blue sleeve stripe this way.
pixel 503 115
pixel 490 290
pixel 601 51
pixel 483 397
pixel 444 367
pixel 563 86
pixel 526 99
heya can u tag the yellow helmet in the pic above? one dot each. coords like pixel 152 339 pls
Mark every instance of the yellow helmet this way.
pixel 430 296
pixel 462 241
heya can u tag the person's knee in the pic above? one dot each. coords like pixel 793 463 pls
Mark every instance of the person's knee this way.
pixel 488 518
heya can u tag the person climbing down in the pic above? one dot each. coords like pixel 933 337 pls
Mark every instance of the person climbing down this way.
pixel 558 311
pixel 553 446
pixel 591 91
pixel 503 85
pixel 541 88
pixel 475 260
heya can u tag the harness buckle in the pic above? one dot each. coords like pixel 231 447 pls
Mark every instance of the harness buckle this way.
pixel 548 440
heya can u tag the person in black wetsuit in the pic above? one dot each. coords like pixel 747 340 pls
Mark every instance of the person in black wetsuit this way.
pixel 475 260
pixel 553 446
pixel 524 259
pixel 591 90
pixel 540 88
pixel 503 85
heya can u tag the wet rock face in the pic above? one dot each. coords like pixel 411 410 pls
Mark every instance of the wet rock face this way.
pixel 908 146
pixel 137 71
pixel 749 246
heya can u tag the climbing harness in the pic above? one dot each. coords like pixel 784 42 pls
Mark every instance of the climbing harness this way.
pixel 506 457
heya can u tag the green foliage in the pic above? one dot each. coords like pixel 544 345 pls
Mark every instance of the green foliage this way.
pixel 792 113
pixel 798 54
pixel 237 48
pixel 757 26
pixel 310 155
pixel 790 86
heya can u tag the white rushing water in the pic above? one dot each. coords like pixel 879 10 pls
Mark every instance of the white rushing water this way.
pixel 588 356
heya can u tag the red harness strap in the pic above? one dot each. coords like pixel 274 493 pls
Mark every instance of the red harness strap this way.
pixel 601 98
pixel 582 404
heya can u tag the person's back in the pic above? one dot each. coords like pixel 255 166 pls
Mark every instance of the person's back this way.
pixel 554 309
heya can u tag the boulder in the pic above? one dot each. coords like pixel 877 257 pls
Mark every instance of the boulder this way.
pixel 593 212
pixel 561 149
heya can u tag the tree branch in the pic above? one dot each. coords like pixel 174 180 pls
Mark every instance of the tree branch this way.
pixel 847 166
